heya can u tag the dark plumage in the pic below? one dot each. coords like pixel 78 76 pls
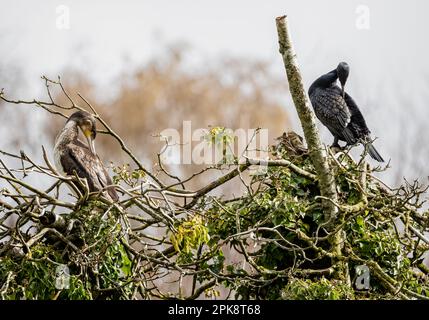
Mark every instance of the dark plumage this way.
pixel 339 112
pixel 72 155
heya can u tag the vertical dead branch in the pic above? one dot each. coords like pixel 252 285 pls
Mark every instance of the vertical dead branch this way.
pixel 306 116
pixel 317 153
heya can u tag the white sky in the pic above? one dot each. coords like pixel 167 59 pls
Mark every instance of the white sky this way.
pixel 102 33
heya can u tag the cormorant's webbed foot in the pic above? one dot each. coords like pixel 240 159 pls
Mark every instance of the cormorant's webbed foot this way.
pixel 336 145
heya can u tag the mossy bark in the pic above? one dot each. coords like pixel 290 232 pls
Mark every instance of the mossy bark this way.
pixel 308 122
pixel 317 152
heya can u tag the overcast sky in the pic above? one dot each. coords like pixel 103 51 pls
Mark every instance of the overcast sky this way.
pixel 102 33
pixel 384 41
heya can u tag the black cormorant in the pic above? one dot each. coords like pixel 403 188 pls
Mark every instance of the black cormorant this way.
pixel 339 112
pixel 72 155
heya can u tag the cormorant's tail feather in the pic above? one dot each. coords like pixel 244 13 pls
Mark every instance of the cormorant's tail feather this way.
pixel 374 153
pixel 348 135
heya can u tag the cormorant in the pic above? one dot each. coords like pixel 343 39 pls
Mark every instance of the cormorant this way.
pixel 292 143
pixel 339 112
pixel 72 155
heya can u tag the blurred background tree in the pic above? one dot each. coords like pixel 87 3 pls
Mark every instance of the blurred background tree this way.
pixel 235 93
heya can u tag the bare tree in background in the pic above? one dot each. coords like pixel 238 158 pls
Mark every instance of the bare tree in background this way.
pixel 235 93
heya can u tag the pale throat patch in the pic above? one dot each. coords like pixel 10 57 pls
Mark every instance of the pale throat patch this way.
pixel 69 125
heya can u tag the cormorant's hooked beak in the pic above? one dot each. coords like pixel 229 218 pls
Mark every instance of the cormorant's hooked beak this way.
pixel 90 140
pixel 342 91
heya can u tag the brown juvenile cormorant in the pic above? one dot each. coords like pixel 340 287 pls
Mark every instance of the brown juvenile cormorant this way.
pixel 72 155
pixel 339 112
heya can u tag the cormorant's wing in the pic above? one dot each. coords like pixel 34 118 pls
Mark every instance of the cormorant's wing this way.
pixel 333 112
pixel 80 159
pixel 360 129
pixel 358 123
